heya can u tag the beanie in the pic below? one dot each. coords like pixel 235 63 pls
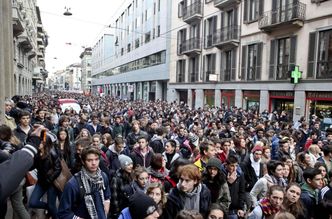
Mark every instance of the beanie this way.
pixel 193 139
pixel 257 148
pixel 141 205
pixel 124 160
pixel 214 162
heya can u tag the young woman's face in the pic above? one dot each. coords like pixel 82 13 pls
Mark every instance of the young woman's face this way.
pixel 323 171
pixel 267 153
pixel 286 171
pixel 279 171
pixel 293 194
pixel 63 135
pixel 142 179
pixel 216 214
pixel 156 195
pixel 276 198
pixel 213 171
pixel 85 133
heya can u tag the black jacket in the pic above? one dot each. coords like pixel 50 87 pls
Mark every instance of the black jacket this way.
pixel 138 158
pixel 249 173
pixel 175 204
pixel 20 134
pixel 132 138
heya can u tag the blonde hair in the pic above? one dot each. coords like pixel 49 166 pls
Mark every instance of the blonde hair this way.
pixel 153 186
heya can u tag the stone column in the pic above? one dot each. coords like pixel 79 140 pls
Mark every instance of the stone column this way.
pixel 299 105
pixel 199 99
pixel 238 98
pixel 172 95
pixel 217 97
pixel 190 98
pixel 7 89
pixel 263 101
pixel 159 90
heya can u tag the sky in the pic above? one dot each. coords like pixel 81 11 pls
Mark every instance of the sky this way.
pixel 69 34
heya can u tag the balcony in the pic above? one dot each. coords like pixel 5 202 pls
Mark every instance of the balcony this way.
pixel 40 54
pixel 211 76
pixel 37 76
pixel 192 12
pixel 191 47
pixel 40 40
pixel 221 4
pixel 18 26
pixel 31 54
pixel 288 16
pixel 226 38
pixel 24 42
pixel 193 77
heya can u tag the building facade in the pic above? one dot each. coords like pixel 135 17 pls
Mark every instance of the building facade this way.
pixel 139 65
pixel 243 53
pixel 30 41
pixel 86 56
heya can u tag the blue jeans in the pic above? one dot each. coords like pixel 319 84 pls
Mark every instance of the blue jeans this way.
pixel 52 194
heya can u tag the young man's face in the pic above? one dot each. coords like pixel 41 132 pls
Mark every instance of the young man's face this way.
pixel 65 123
pixel 142 143
pixel 316 182
pixel 257 155
pixel 25 120
pixel 92 163
pixel 169 149
pixel 187 184
pixel 8 107
pixel 211 152
pixel 41 114
pixel 276 198
pixel 231 168
pixel 119 147
pixel 96 142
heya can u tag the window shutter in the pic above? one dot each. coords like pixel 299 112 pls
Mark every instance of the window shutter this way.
pixel 244 62
pixel 259 61
pixel 179 43
pixel 274 8
pixel 311 55
pixel 245 12
pixel 235 16
pixel 214 20
pixel 180 9
pixel 206 34
pixel 272 69
pixel 213 67
pixel 183 70
pixel 292 57
pixel 221 68
pixel 260 8
pixel 178 71
pixel 233 71
pixel 205 69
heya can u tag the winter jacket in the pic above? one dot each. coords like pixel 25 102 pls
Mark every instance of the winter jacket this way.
pixel 175 202
pixel 20 134
pixel 49 168
pixel 138 158
pixel 125 214
pixel 223 196
pixel 172 158
pixel 309 198
pixel 157 144
pixel 132 138
pixel 237 191
pixel 249 173
pixel 113 158
pixel 119 197
pixel 118 129
pixel 92 130
pixel 10 122
pixel 72 204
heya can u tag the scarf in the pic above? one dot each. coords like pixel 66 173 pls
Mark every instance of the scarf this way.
pixel 191 199
pixel 255 165
pixel 92 183
pixel 267 208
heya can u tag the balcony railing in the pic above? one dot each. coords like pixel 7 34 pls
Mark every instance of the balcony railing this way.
pixel 285 14
pixel 227 75
pixel 208 73
pixel 190 11
pixel 193 77
pixel 180 77
pixel 190 45
pixel 225 35
pixel 324 69
pixel 282 72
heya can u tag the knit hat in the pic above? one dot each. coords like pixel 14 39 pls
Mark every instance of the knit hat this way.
pixel 141 205
pixel 193 139
pixel 214 162
pixel 125 160
pixel 257 148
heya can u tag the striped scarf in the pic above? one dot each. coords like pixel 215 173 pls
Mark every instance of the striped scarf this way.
pixel 267 208
pixel 92 183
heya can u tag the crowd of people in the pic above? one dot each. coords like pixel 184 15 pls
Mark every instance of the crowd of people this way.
pixel 145 160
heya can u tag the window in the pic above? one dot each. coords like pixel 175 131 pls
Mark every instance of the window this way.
pixel 252 10
pixel 128 47
pixel 136 43
pixel 158 5
pixel 158 31
pixel 209 66
pixel 181 40
pixel 180 70
pixel 210 25
pixel 228 64
pixel 251 62
pixel 194 69
pixel 147 37
pixel 122 51
pixel 181 6
pixel 153 33
pixel 282 57
pixel 320 58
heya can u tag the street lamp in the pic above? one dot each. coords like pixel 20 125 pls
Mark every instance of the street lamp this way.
pixel 67 12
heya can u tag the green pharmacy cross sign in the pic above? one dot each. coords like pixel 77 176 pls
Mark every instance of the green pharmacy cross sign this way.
pixel 296 75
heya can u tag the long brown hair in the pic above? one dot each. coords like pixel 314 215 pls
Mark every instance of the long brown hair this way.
pixel 297 208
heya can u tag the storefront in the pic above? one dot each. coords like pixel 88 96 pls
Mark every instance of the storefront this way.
pixel 209 97
pixel 320 104
pixel 228 98
pixel 282 101
pixel 251 100
pixel 183 96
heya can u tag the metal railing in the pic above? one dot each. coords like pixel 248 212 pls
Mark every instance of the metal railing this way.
pixel 208 73
pixel 293 11
pixel 282 72
pixel 324 69
pixel 180 77
pixel 217 2
pixel 226 34
pixel 227 75
pixel 189 45
pixel 190 10
pixel 193 77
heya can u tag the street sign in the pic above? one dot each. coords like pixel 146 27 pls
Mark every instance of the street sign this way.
pixel 296 75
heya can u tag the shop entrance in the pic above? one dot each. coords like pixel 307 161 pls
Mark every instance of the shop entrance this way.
pixel 320 104
pixel 282 101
